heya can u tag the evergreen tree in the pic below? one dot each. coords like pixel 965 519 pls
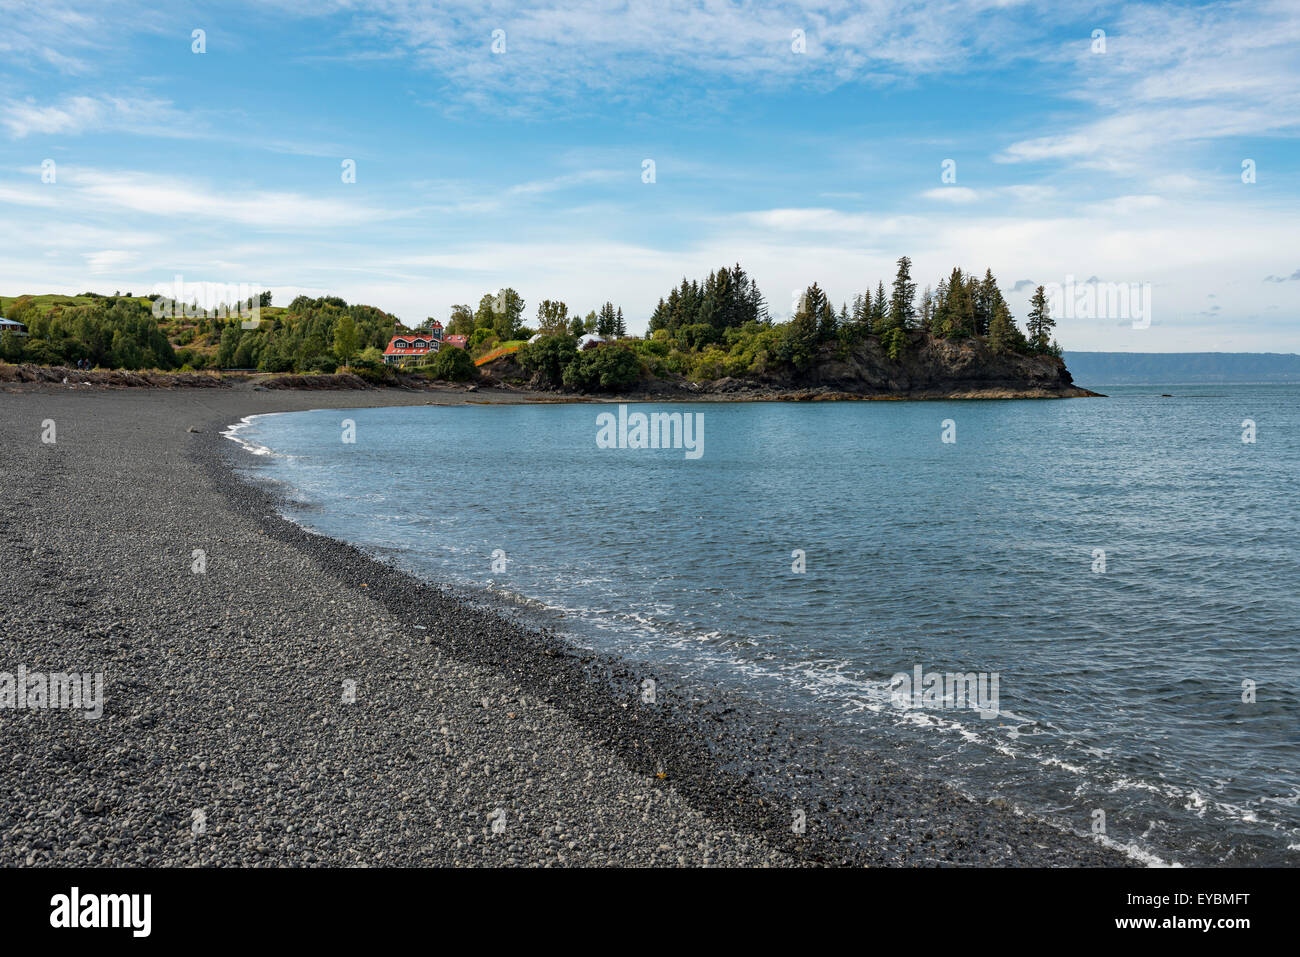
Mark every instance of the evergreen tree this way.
pixel 986 303
pixel 620 327
pixel 878 309
pixel 972 298
pixel 754 306
pixel 827 323
pixel 902 309
pixel 1039 322
pixel 860 316
pixel 606 321
pixel 956 317
pixel 1001 329
pixel 802 332
pixel 659 318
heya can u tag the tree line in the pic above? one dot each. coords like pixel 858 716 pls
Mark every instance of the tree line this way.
pixel 961 306
pixel 703 329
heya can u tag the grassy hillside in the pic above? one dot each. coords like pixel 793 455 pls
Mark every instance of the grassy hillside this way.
pixel 52 302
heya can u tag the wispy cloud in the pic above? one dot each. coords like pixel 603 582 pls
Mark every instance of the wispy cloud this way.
pixel 952 194
pixel 1172 76
pixel 627 52
pixel 38 34
pixel 75 115
pixel 177 202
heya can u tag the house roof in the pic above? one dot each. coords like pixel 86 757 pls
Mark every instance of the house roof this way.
pixel 409 350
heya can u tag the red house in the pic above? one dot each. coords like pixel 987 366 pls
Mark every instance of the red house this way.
pixel 460 342
pixel 408 348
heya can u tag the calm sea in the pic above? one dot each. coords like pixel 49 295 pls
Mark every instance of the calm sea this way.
pixel 1126 567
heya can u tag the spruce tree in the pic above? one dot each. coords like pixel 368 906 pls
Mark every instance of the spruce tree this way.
pixel 827 323
pixel 878 309
pixel 1001 330
pixel 804 327
pixel 1039 322
pixel 606 321
pixel 958 313
pixel 902 309
pixel 659 318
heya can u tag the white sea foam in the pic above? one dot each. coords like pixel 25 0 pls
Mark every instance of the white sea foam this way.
pixel 233 431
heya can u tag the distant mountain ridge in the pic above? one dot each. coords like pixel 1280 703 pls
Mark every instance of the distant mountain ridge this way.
pixel 1091 369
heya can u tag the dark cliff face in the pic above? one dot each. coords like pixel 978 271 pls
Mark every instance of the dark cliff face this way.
pixel 934 366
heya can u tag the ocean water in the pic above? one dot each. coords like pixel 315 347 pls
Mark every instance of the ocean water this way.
pixel 1157 683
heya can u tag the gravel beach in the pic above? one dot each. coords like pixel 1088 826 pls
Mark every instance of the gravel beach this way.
pixel 226 738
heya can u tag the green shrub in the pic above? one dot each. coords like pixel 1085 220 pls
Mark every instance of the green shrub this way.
pixel 380 375
pixel 698 335
pixel 607 368
pixel 709 364
pixel 452 365
pixel 894 342
pixel 549 356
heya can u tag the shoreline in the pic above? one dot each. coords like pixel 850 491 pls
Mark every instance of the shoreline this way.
pixel 733 774
pixel 15 378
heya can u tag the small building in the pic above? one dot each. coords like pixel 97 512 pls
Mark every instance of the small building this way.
pixel 9 325
pixel 589 342
pixel 409 348
pixel 459 342
pixel 537 338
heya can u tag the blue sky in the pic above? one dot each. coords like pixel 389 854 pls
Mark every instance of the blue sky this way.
pixel 476 170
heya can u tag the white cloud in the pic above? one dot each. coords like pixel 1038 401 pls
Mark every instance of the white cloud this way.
pixel 952 194
pixel 175 201
pixel 75 115
pixel 1122 206
pixel 629 52
pixel 1172 77
pixel 108 260
pixel 1030 193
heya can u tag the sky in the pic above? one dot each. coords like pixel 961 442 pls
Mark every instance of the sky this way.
pixel 415 155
